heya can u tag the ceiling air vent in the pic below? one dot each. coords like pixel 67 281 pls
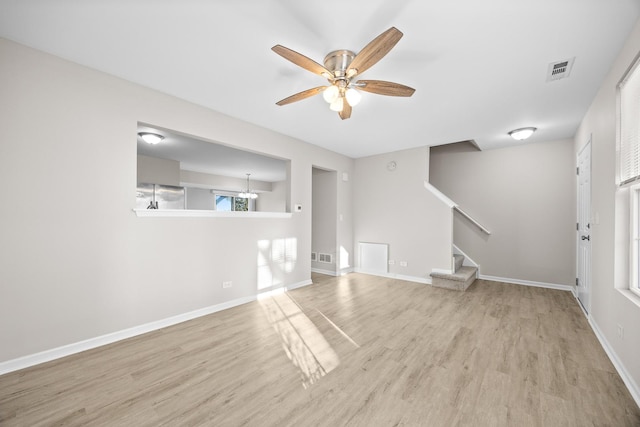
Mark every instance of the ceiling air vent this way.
pixel 559 70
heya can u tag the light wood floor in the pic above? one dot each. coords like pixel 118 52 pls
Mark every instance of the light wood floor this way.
pixel 351 351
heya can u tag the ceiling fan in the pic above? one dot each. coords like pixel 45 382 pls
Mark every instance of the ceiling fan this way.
pixel 341 67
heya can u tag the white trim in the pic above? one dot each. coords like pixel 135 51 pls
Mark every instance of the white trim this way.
pixel 321 271
pixel 346 270
pixel 574 291
pixel 189 213
pixel 425 281
pixel 301 284
pixel 632 296
pixel 634 236
pixel 527 283
pixel 453 205
pixel 457 250
pixel 442 271
pixel 69 349
pixel 626 378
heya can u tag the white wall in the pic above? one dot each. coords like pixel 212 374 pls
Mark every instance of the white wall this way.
pixel 75 261
pixel 525 195
pixel 394 207
pixel 610 306
pixel 274 200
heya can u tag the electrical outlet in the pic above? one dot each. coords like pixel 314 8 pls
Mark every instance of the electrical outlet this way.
pixel 392 262
pixel 620 331
pixel 403 263
pixel 227 284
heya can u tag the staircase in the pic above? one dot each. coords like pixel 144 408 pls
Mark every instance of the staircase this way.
pixel 460 280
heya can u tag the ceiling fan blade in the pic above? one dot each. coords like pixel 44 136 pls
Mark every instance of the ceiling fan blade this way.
pixel 301 60
pixel 384 88
pixel 301 95
pixel 346 111
pixel 375 51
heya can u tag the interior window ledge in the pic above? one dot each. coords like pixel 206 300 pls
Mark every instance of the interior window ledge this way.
pixel 631 296
pixel 186 213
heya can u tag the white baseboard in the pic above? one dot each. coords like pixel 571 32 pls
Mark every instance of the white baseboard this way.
pixel 69 349
pixel 527 283
pixel 346 271
pixel 626 378
pixel 321 271
pixel 426 281
pixel 298 285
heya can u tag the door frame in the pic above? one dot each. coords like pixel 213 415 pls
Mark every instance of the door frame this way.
pixel 586 281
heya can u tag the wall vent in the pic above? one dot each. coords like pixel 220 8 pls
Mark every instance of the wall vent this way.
pixel 314 256
pixel 325 258
pixel 559 70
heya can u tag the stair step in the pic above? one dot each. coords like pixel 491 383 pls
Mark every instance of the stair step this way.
pixel 458 260
pixel 461 275
pixel 459 281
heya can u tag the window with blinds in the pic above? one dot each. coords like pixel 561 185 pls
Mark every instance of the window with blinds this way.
pixel 629 124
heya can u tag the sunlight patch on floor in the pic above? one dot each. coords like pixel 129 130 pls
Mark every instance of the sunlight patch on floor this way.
pixel 302 342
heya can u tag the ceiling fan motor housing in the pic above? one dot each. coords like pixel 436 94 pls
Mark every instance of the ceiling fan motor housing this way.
pixel 338 61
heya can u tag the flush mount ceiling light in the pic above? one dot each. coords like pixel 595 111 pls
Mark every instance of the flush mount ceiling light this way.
pixel 247 194
pixel 341 67
pixel 150 137
pixel 522 133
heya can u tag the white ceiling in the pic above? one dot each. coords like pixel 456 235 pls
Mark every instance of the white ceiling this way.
pixel 478 67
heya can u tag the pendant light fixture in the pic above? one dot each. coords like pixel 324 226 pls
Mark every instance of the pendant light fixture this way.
pixel 248 194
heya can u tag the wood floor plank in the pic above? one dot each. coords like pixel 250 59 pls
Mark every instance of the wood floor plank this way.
pixel 356 350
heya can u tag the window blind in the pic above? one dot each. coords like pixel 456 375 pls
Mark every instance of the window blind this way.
pixel 629 122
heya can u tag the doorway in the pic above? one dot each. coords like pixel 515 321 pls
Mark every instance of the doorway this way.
pixel 583 281
pixel 324 255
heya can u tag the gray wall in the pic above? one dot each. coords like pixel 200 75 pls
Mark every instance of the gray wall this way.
pixel 525 195
pixel 75 261
pixel 219 182
pixel 610 304
pixel 152 170
pixel 324 218
pixel 200 199
pixel 394 207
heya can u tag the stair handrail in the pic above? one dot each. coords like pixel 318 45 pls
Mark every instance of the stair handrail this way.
pixel 473 221
pixel 454 205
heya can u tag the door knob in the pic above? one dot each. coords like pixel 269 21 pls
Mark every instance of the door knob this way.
pixel 586 238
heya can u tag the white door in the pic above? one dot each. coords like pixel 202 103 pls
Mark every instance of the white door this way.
pixel 583 281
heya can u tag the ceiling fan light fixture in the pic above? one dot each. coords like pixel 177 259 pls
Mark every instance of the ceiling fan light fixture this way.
pixel 337 105
pixel 331 93
pixel 244 195
pixel 522 133
pixel 150 137
pixel 353 96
